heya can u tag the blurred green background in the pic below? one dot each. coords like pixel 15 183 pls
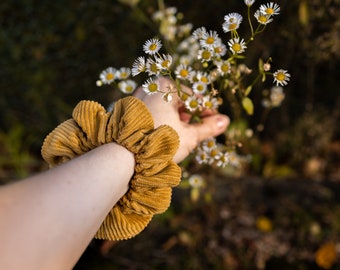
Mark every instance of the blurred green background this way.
pixel 51 53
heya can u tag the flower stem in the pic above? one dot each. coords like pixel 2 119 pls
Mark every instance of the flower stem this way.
pixel 250 24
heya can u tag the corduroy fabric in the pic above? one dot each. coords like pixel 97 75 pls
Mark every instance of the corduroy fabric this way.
pixel 130 124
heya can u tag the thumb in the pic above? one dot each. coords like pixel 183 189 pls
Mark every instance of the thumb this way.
pixel 211 126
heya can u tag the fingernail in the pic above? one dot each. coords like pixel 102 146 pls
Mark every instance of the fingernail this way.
pixel 221 122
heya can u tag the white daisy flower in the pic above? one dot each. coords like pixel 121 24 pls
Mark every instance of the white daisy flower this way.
pixel 220 49
pixel 281 77
pixel 138 66
pixel 223 67
pixel 183 72
pixel 223 159
pixel 201 157
pixel 209 102
pixel 232 21
pixel 205 55
pixel 270 9
pixel 202 77
pixel 151 86
pixel 108 75
pixel 164 62
pixel 199 88
pixel 236 45
pixel 152 46
pixel 127 86
pixel 208 144
pixel 123 73
pixel 151 67
pixel 199 32
pixel 196 181
pixel 192 103
pixel 262 18
pixel 209 40
pixel 213 155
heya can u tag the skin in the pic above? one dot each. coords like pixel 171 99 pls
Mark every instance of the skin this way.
pixel 172 113
pixel 47 220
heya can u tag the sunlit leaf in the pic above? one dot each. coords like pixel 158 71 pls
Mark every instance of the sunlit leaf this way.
pixel 248 105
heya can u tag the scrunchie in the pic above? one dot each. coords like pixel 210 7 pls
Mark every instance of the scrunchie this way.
pixel 130 124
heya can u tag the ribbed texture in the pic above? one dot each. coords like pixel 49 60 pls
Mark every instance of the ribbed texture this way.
pixel 130 125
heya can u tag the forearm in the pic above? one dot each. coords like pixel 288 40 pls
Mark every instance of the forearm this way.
pixel 60 210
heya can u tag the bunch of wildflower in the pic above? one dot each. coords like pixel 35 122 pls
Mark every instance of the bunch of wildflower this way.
pixel 208 65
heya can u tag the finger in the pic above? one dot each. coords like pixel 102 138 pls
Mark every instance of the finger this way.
pixel 211 126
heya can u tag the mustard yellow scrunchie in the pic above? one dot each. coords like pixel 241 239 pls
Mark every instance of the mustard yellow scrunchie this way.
pixel 130 124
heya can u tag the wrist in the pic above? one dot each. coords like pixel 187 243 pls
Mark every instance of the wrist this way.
pixel 115 152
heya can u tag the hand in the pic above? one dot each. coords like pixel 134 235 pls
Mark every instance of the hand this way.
pixel 172 114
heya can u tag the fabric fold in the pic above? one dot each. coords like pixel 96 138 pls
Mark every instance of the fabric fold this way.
pixel 130 124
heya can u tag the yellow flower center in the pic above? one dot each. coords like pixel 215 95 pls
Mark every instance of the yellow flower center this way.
pixel 232 26
pixel 193 104
pixel 203 156
pixel 206 54
pixel 153 47
pixel 225 68
pixel 208 104
pixel 128 88
pixel 200 88
pixel 210 144
pixel 165 63
pixel 213 153
pixel 154 68
pixel 210 40
pixel 223 159
pixel 204 80
pixel 183 73
pixel 270 11
pixel 184 97
pixel 153 87
pixel 263 19
pixel 218 50
pixel 123 75
pixel 109 76
pixel 280 76
pixel 236 47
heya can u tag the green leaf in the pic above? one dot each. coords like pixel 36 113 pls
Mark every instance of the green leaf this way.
pixel 247 92
pixel 248 105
